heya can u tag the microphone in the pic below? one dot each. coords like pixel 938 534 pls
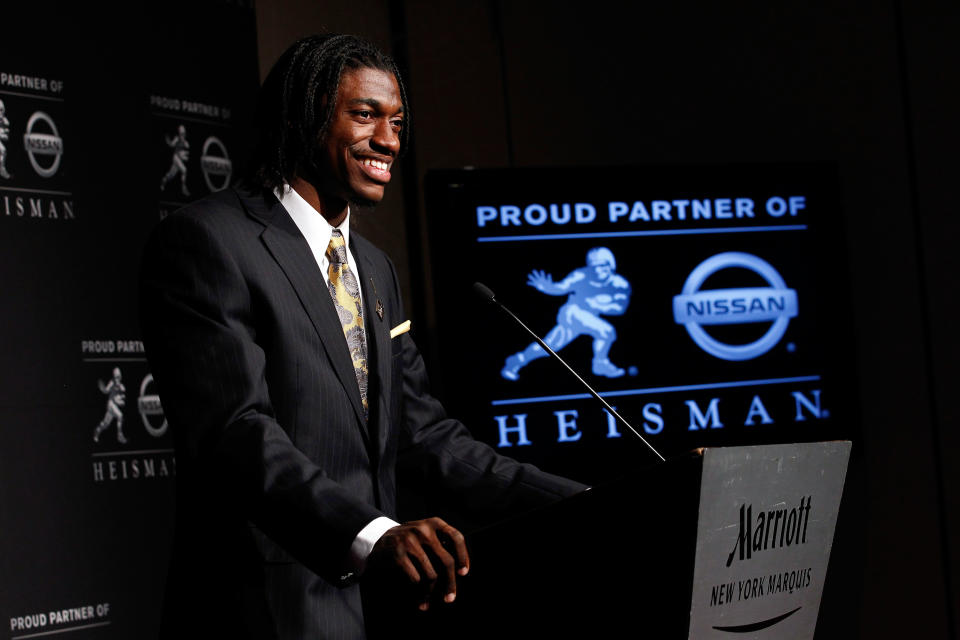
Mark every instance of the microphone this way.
pixel 487 294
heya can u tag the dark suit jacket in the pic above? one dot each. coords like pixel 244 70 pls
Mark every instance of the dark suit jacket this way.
pixel 277 470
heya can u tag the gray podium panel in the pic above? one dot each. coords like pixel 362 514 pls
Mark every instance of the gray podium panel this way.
pixel 765 529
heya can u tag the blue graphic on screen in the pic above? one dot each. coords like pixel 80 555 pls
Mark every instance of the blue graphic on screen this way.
pixel 695 308
pixel 592 291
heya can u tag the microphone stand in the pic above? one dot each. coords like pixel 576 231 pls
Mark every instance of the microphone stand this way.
pixel 484 292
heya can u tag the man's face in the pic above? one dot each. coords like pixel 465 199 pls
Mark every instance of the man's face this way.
pixel 364 137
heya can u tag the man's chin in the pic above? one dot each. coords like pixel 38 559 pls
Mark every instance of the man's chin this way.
pixel 361 200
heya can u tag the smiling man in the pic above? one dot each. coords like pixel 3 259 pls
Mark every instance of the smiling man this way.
pixel 277 338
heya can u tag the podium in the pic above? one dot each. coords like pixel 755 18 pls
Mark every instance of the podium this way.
pixel 720 543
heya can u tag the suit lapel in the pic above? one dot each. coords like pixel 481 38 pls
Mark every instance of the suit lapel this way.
pixel 290 249
pixel 378 334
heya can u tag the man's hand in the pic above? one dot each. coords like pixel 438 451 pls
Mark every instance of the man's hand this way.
pixel 409 547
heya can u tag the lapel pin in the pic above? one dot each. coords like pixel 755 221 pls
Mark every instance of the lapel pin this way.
pixel 379 304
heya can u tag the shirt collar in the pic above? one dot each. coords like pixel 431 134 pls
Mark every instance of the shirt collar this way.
pixel 312 225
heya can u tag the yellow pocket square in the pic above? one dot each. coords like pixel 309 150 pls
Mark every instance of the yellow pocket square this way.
pixel 401 328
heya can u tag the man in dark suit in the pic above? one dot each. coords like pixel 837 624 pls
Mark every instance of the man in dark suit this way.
pixel 279 344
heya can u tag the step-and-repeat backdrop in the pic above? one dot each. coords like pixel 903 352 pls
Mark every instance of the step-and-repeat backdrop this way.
pixel 110 118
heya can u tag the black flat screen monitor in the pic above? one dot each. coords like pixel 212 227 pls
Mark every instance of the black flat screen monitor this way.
pixel 707 304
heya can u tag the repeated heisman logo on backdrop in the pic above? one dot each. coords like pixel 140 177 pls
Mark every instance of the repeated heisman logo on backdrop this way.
pixel 191 141
pixel 148 406
pixel 34 183
pixel 122 454
pixel 151 412
pixel 592 291
pixel 116 394
pixel 4 138
pixel 178 161
pixel 41 142
pixel 695 308
pixel 217 168
pixel 215 162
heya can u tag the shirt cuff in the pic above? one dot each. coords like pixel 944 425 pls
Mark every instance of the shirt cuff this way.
pixel 363 543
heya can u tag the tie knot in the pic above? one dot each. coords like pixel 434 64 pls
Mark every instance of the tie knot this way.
pixel 337 249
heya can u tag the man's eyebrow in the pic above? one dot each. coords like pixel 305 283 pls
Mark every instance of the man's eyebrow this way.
pixel 371 102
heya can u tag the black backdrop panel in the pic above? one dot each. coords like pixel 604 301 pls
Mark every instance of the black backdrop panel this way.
pixel 724 320
pixel 93 100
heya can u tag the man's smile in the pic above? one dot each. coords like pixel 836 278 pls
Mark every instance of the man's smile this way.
pixel 377 170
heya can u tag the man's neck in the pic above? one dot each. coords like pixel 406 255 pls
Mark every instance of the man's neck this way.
pixel 333 209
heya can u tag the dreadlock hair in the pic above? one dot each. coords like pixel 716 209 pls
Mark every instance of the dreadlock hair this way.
pixel 297 100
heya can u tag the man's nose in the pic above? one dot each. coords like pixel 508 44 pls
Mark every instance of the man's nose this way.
pixel 386 138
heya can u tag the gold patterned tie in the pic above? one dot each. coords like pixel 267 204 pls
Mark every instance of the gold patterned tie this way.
pixel 345 291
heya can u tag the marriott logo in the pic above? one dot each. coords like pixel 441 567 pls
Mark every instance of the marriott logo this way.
pixel 775 528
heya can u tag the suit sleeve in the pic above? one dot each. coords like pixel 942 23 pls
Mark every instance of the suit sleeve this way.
pixel 201 338
pixel 439 454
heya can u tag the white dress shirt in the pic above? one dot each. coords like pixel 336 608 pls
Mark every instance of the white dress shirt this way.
pixel 318 232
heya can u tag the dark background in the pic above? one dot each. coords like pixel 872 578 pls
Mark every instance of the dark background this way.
pixel 869 88
pixel 73 534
